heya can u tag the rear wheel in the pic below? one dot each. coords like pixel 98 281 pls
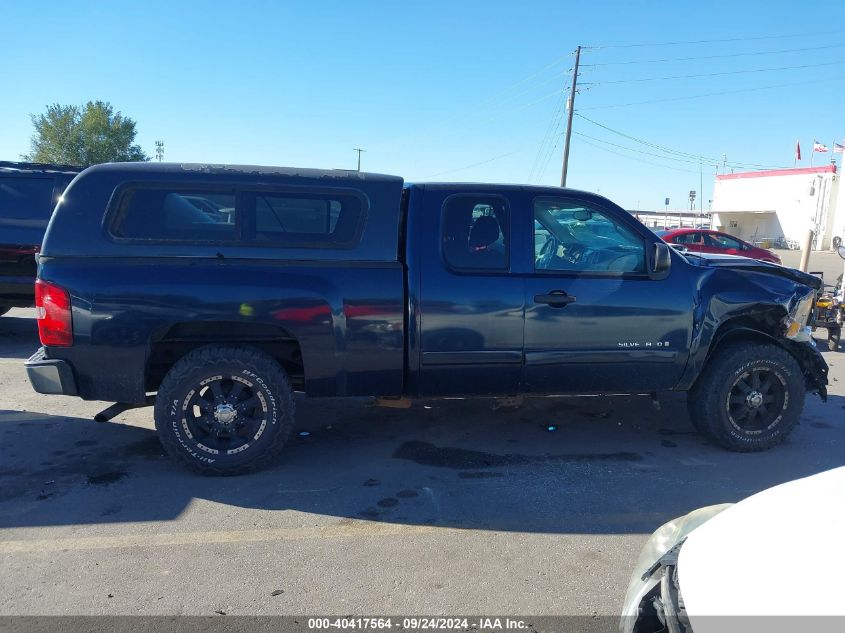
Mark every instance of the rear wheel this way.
pixel 224 410
pixel 749 397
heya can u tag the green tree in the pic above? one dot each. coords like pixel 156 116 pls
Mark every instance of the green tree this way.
pixel 83 136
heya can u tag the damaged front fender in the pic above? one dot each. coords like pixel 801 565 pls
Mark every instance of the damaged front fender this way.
pixel 813 365
pixel 746 302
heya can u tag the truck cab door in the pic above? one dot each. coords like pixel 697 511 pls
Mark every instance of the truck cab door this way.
pixel 596 319
pixel 469 305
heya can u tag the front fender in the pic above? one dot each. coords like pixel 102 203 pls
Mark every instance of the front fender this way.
pixel 743 304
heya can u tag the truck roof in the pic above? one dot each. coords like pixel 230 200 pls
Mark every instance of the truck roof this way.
pixel 496 186
pixel 217 169
pixel 538 190
pixel 15 167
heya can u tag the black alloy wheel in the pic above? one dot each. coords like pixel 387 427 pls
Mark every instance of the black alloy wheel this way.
pixel 757 400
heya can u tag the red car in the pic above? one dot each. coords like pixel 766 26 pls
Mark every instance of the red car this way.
pixel 706 241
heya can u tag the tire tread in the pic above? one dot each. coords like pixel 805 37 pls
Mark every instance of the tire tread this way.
pixel 704 399
pixel 251 358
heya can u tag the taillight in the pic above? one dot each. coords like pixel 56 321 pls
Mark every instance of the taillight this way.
pixel 52 309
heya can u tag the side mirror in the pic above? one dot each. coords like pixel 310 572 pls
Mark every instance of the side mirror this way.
pixel 841 251
pixel 662 258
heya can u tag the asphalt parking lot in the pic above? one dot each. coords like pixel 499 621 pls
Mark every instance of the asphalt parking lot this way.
pixel 449 507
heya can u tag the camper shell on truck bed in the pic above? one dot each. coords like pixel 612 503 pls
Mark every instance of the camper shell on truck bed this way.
pixel 217 291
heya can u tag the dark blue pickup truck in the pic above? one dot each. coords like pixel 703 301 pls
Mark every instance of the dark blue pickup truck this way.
pixel 215 292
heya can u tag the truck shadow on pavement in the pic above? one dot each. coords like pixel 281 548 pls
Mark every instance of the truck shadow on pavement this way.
pixel 562 465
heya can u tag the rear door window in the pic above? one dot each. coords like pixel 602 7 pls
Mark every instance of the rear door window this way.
pixel 475 233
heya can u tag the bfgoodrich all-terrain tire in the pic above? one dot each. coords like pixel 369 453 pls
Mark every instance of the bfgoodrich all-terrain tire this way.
pixel 224 410
pixel 749 396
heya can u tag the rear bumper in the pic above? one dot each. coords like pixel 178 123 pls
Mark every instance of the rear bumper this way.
pixel 50 375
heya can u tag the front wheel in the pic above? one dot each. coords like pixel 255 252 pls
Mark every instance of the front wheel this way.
pixel 224 410
pixel 749 397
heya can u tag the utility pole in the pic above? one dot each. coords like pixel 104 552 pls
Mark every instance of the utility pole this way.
pixel 701 191
pixel 359 150
pixel 806 247
pixel 571 110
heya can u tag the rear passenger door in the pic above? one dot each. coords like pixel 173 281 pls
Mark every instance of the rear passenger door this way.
pixel 470 305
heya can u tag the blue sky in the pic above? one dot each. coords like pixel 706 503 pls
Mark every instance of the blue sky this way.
pixel 442 90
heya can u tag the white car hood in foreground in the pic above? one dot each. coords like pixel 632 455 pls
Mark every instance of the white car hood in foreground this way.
pixel 779 552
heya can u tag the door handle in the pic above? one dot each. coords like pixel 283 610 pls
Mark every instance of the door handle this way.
pixel 556 299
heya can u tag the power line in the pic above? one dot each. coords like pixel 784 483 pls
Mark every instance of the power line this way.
pixel 638 160
pixel 554 123
pixel 669 150
pixel 639 151
pixel 483 162
pixel 730 72
pixel 557 136
pixel 499 97
pixel 716 41
pixel 706 57
pixel 716 94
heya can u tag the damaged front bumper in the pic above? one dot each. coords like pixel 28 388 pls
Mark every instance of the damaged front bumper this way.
pixel 812 364
pixel 637 608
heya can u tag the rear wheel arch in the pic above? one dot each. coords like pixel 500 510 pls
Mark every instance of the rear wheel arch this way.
pixel 171 343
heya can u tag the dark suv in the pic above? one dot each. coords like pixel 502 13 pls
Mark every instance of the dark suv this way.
pixel 28 194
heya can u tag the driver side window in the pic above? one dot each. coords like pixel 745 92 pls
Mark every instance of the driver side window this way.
pixel 570 236
pixel 720 240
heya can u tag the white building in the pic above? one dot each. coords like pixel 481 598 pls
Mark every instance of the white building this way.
pixel 783 204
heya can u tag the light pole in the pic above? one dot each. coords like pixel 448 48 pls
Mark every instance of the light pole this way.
pixel 691 206
pixel 807 246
